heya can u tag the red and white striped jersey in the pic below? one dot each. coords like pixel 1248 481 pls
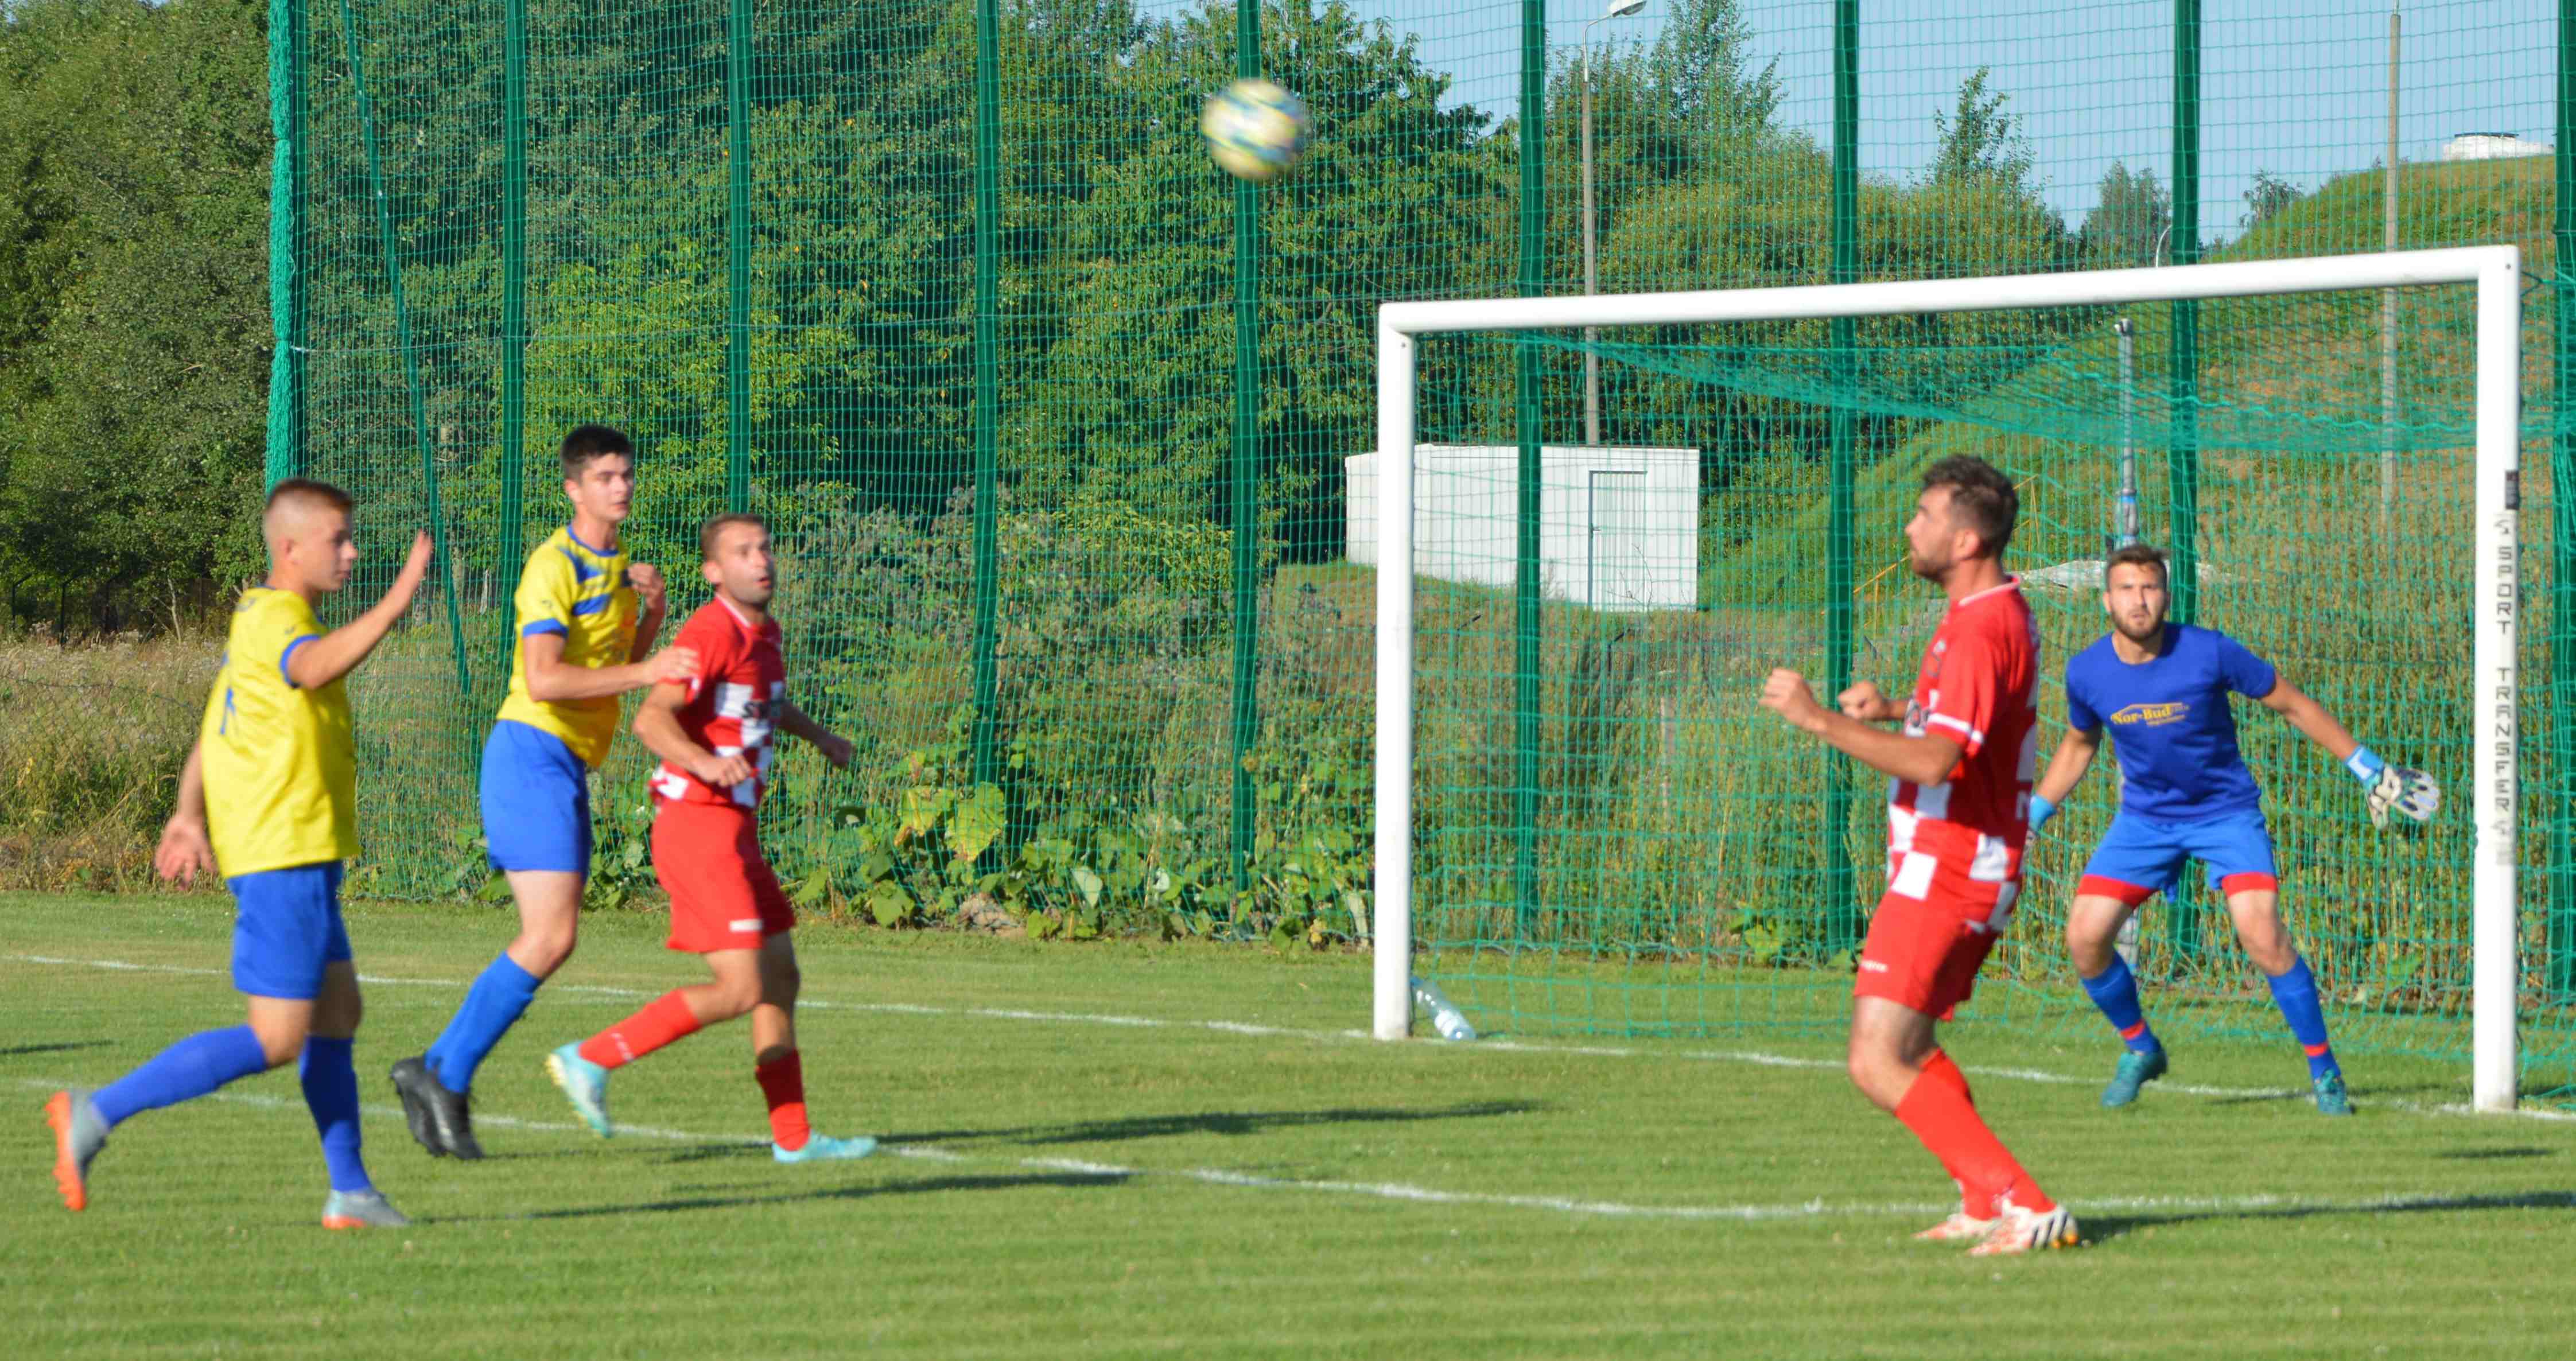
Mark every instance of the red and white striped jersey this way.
pixel 1980 687
pixel 732 708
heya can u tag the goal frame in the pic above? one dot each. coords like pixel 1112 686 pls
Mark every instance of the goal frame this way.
pixel 2493 791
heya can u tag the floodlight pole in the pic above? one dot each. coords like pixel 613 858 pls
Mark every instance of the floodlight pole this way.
pixel 1619 9
pixel 2493 793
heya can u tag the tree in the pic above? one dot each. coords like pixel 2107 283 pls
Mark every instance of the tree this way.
pixel 1979 141
pixel 2269 196
pixel 2131 215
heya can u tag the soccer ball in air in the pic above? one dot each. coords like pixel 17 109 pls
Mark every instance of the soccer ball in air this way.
pixel 1254 129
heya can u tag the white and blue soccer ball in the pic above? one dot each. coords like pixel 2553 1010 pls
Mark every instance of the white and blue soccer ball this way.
pixel 1255 129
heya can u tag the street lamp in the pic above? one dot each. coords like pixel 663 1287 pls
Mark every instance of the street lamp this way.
pixel 1619 9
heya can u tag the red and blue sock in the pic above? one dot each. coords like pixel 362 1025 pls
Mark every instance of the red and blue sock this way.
pixel 2295 993
pixel 2115 992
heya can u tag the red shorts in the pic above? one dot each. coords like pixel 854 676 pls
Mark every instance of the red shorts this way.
pixel 723 896
pixel 1924 953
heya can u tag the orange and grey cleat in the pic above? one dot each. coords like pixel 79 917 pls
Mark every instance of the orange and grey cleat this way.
pixel 78 1136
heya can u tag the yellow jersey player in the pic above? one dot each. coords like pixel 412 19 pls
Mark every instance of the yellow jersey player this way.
pixel 587 618
pixel 268 798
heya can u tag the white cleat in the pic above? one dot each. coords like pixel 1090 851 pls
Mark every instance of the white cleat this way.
pixel 1958 1228
pixel 2019 1231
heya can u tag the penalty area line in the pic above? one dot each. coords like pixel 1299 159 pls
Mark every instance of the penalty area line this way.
pixel 1750 1057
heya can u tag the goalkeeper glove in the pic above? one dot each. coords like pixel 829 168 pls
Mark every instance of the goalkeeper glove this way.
pixel 2041 810
pixel 2410 792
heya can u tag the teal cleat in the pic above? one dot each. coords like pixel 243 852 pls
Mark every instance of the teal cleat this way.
pixel 2137 1069
pixel 362 1210
pixel 585 1084
pixel 822 1147
pixel 2332 1099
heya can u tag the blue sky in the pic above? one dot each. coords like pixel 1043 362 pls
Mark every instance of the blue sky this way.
pixel 2295 87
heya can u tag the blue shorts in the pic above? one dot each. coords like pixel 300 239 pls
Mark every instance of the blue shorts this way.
pixel 286 928
pixel 536 801
pixel 2141 857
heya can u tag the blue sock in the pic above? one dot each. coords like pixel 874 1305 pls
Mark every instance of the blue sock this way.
pixel 331 1093
pixel 186 1070
pixel 2295 993
pixel 2115 991
pixel 491 1007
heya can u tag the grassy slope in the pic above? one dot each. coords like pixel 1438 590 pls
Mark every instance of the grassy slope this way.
pixel 1043 1208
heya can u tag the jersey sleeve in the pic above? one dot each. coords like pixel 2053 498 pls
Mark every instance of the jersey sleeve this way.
pixel 285 623
pixel 2080 713
pixel 1969 693
pixel 545 597
pixel 2245 673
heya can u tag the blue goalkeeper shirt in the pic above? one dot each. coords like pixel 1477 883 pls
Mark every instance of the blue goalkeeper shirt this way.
pixel 2169 721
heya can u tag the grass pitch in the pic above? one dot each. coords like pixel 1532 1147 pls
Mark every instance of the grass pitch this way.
pixel 1117 1150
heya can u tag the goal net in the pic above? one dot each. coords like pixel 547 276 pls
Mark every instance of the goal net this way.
pixel 1620 512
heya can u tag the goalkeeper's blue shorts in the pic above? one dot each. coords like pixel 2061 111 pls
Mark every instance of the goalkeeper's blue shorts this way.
pixel 2142 857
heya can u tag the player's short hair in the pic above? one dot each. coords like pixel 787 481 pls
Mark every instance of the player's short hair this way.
pixel 587 442
pixel 715 526
pixel 2136 555
pixel 300 493
pixel 1981 497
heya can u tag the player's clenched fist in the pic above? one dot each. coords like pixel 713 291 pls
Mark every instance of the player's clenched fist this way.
pixel 672 666
pixel 723 772
pixel 1868 703
pixel 1787 695
pixel 650 593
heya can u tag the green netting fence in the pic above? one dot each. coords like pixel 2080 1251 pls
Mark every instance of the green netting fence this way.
pixel 1056 425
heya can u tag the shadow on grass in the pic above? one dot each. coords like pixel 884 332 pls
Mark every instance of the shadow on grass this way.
pixel 2491 1154
pixel 679 1204
pixel 2103 1228
pixel 2361 1094
pixel 1214 1122
pixel 66 1046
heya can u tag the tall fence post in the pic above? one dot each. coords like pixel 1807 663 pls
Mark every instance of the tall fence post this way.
pixel 2183 383
pixel 2562 524
pixel 509 538
pixel 287 36
pixel 988 384
pixel 1246 499
pixel 1842 899
pixel 738 255
pixel 1526 572
pixel 387 242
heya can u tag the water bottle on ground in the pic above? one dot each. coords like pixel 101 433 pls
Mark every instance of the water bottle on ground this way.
pixel 1446 1018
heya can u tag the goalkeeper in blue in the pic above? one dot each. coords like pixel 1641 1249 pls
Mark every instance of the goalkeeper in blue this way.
pixel 2161 689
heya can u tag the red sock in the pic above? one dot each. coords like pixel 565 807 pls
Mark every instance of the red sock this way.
pixel 664 1019
pixel 1937 1108
pixel 782 1081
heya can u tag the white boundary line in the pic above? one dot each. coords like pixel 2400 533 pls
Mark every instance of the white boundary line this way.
pixel 1744 1056
pixel 1424 1195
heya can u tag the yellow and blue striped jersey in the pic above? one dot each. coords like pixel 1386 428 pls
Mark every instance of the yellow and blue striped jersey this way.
pixel 281 775
pixel 578 592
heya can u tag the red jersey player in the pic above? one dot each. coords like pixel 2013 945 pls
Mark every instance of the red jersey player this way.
pixel 1960 775
pixel 713 731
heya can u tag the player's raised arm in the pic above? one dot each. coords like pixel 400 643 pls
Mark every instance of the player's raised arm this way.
pixel 657 726
pixel 794 722
pixel 1927 759
pixel 2411 793
pixel 653 601
pixel 337 653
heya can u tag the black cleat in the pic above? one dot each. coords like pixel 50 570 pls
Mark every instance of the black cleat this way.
pixel 440 1119
pixel 408 1076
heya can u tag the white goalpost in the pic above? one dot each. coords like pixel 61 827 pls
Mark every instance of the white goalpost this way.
pixel 2492 794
